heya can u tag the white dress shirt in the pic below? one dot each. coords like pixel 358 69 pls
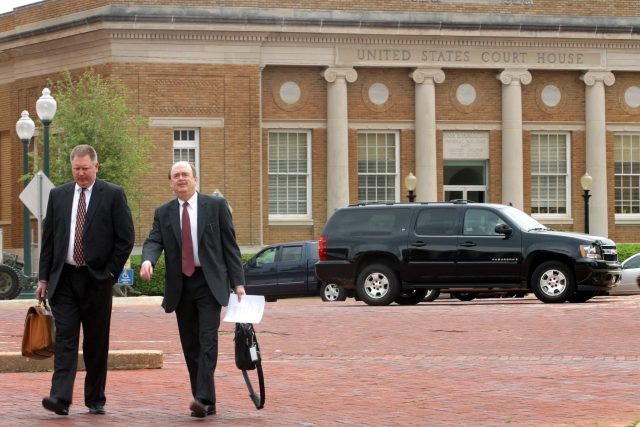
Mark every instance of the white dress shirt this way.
pixel 74 217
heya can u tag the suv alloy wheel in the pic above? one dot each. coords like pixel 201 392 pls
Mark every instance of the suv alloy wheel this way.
pixel 552 282
pixel 332 292
pixel 378 284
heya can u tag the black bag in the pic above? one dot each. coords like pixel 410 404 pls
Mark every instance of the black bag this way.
pixel 248 358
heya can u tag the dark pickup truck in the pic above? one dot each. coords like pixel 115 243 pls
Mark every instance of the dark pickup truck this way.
pixel 286 270
pixel 397 252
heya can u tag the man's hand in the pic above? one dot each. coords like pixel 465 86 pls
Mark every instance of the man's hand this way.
pixel 146 270
pixel 41 291
pixel 239 290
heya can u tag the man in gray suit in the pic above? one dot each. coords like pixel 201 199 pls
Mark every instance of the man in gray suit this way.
pixel 203 263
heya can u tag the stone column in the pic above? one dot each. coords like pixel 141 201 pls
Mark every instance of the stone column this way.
pixel 512 162
pixel 425 145
pixel 338 137
pixel 596 148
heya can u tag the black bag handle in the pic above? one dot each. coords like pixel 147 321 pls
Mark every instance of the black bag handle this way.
pixel 258 401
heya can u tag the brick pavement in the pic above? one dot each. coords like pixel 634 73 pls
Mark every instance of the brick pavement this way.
pixel 447 363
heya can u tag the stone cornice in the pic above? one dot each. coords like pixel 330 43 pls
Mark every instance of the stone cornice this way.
pixel 150 31
pixel 368 19
pixel 424 40
pixel 285 21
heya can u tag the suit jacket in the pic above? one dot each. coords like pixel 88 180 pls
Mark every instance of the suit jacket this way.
pixel 107 238
pixel 217 249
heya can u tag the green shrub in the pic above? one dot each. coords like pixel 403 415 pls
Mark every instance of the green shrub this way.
pixel 153 287
pixel 625 250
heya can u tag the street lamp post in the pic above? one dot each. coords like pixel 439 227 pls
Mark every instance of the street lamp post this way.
pixel 25 129
pixel 587 183
pixel 410 182
pixel 46 108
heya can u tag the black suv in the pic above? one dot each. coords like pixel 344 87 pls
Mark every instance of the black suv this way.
pixel 397 252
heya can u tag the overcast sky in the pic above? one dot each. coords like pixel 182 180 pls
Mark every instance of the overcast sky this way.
pixel 8 5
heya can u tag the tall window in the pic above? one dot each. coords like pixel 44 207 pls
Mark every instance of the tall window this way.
pixel 627 174
pixel 550 174
pixel 289 174
pixel 186 147
pixel 378 167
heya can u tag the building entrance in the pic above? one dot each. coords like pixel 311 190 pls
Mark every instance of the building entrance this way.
pixel 466 180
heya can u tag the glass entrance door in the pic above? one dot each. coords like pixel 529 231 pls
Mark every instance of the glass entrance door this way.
pixel 472 193
pixel 465 180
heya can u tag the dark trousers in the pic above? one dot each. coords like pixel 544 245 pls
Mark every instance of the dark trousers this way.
pixel 79 300
pixel 198 315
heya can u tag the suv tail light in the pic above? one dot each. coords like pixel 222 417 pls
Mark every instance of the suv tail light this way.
pixel 322 248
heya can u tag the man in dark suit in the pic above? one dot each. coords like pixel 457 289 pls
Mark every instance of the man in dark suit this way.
pixel 87 237
pixel 203 263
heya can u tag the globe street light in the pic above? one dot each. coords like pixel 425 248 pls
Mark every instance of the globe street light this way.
pixel 410 182
pixel 25 129
pixel 46 109
pixel 587 183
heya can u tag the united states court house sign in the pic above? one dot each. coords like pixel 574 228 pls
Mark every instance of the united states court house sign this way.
pixel 467 58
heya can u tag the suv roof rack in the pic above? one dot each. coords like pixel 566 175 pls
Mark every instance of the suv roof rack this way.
pixel 373 204
pixel 454 201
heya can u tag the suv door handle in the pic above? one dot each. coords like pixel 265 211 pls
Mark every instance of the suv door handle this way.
pixel 468 244
pixel 418 244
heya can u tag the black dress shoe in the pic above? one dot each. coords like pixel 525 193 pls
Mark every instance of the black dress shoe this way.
pixel 200 410
pixel 96 409
pixel 54 405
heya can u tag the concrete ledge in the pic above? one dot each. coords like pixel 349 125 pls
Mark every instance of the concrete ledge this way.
pixel 117 302
pixel 11 361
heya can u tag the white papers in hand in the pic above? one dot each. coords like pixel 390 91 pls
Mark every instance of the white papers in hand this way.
pixel 249 310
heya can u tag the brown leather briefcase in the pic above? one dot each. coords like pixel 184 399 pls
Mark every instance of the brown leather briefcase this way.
pixel 38 341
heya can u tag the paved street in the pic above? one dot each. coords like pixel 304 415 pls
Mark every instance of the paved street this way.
pixel 514 362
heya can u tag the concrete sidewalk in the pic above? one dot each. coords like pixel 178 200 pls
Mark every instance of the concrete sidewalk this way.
pixel 491 362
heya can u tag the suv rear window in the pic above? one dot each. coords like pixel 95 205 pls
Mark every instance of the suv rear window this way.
pixel 360 222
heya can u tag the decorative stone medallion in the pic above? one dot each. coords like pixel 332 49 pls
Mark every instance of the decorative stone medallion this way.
pixel 549 97
pixel 464 97
pixel 377 96
pixel 630 99
pixel 289 94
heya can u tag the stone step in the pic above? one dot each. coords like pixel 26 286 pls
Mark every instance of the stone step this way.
pixel 118 360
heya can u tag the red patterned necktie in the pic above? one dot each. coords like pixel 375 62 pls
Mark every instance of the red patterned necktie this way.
pixel 188 263
pixel 78 251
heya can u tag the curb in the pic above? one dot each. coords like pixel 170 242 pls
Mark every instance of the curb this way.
pixel 117 302
pixel 11 361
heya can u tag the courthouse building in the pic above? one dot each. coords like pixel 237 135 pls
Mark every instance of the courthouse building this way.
pixel 292 109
